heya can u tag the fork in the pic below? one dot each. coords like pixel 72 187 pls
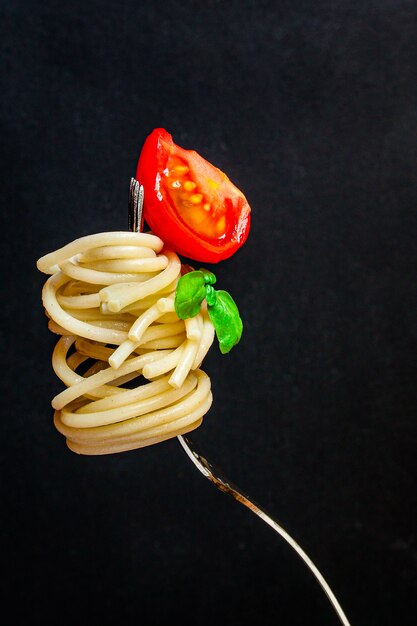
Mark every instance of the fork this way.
pixel 213 473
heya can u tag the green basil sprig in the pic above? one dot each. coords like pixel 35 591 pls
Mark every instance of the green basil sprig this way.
pixel 191 290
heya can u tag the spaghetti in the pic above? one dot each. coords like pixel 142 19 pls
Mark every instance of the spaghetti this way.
pixel 131 366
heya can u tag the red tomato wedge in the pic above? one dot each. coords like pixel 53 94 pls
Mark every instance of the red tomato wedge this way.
pixel 189 203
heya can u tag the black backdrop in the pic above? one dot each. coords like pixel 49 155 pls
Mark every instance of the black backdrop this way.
pixel 310 107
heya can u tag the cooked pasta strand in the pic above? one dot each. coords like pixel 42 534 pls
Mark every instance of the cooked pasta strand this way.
pixel 111 298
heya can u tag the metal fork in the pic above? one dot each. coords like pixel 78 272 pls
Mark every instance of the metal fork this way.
pixel 213 473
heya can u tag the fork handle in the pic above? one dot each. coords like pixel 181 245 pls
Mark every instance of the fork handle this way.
pixel 217 478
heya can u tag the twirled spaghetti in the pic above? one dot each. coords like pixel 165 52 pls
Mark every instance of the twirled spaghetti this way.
pixel 111 298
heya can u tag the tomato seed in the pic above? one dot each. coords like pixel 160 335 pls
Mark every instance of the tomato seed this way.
pixel 196 198
pixel 181 169
pixel 221 225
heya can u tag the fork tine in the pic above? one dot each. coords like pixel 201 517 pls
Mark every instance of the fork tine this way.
pixel 135 215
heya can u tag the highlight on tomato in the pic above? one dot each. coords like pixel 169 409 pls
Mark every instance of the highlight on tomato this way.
pixel 189 203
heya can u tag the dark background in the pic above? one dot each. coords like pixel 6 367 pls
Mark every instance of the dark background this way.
pixel 310 107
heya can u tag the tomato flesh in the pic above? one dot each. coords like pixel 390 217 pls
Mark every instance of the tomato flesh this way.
pixel 190 203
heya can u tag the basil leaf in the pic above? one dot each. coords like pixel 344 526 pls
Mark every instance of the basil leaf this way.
pixel 226 320
pixel 211 295
pixel 209 277
pixel 190 292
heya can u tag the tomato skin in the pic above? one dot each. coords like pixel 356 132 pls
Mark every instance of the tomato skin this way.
pixel 162 215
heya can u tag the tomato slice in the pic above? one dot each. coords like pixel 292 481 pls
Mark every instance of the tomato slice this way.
pixel 189 203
